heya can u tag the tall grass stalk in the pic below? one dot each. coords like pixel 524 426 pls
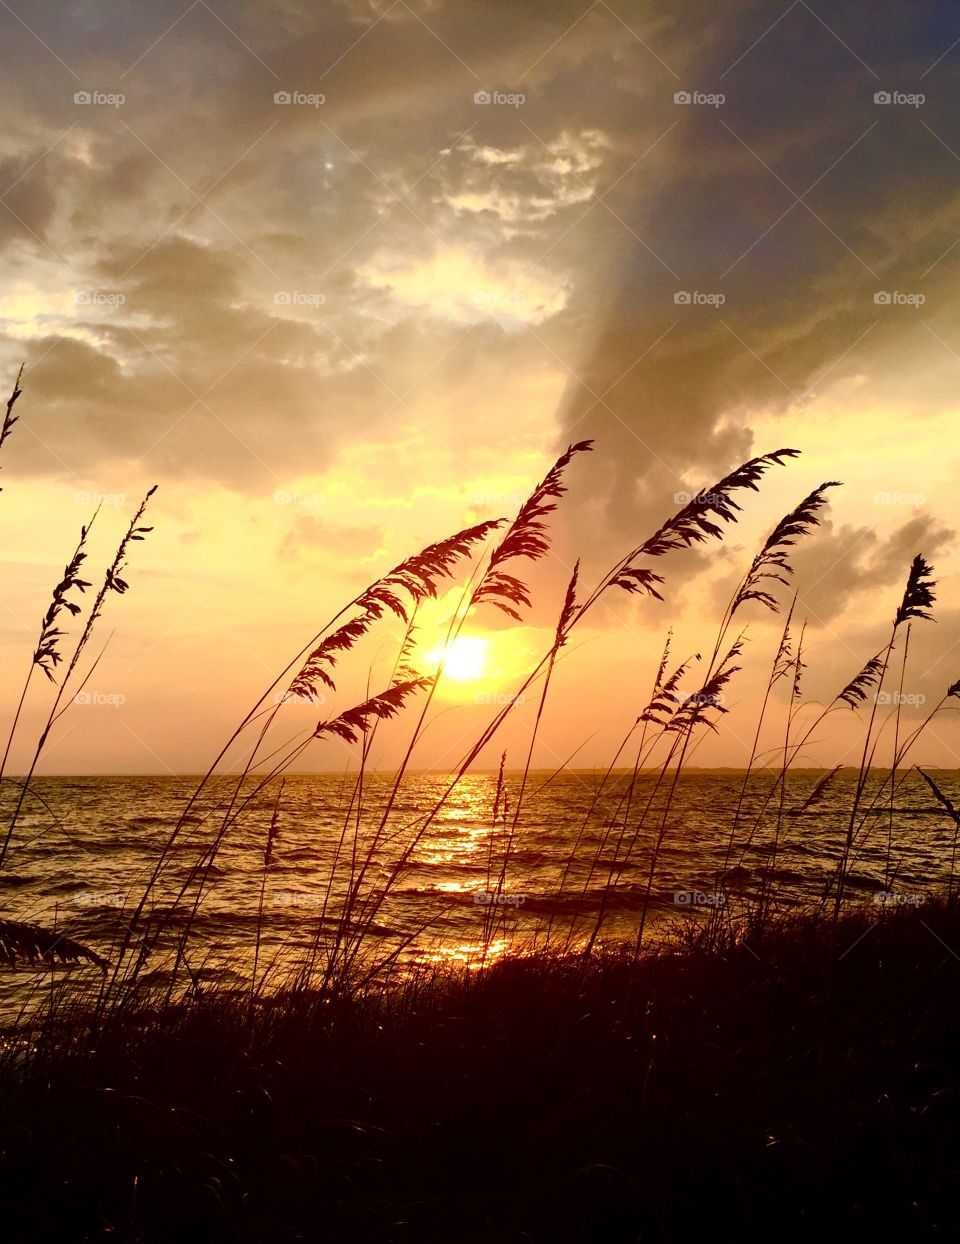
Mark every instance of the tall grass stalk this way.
pixel 917 598
pixel 893 763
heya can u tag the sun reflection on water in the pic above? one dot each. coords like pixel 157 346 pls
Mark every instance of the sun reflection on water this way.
pixel 471 955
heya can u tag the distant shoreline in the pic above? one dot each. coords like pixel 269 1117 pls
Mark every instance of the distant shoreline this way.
pixel 389 773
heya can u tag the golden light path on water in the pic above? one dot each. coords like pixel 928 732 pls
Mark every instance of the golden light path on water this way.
pixel 556 877
pixel 465 843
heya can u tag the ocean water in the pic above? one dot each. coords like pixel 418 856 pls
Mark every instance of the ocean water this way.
pixel 84 849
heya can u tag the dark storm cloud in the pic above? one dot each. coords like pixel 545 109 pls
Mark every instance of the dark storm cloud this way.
pixel 834 566
pixel 288 194
pixel 183 356
pixel 672 386
pixel 600 186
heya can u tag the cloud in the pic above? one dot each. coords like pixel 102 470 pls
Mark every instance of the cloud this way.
pixel 400 201
pixel 405 292
pixel 835 567
pixel 310 536
pixel 670 387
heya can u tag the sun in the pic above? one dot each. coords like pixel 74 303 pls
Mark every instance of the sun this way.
pixel 465 659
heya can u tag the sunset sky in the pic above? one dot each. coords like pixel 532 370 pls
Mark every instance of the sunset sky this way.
pixel 344 277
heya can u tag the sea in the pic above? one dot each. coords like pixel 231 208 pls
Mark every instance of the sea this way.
pixel 450 872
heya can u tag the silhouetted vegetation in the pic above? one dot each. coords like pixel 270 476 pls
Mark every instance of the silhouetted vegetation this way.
pixel 768 1070
pixel 549 1098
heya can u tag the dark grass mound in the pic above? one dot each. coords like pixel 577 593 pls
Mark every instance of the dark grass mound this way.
pixel 783 1089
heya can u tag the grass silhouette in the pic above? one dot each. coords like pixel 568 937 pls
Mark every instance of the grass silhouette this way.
pixel 792 1068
